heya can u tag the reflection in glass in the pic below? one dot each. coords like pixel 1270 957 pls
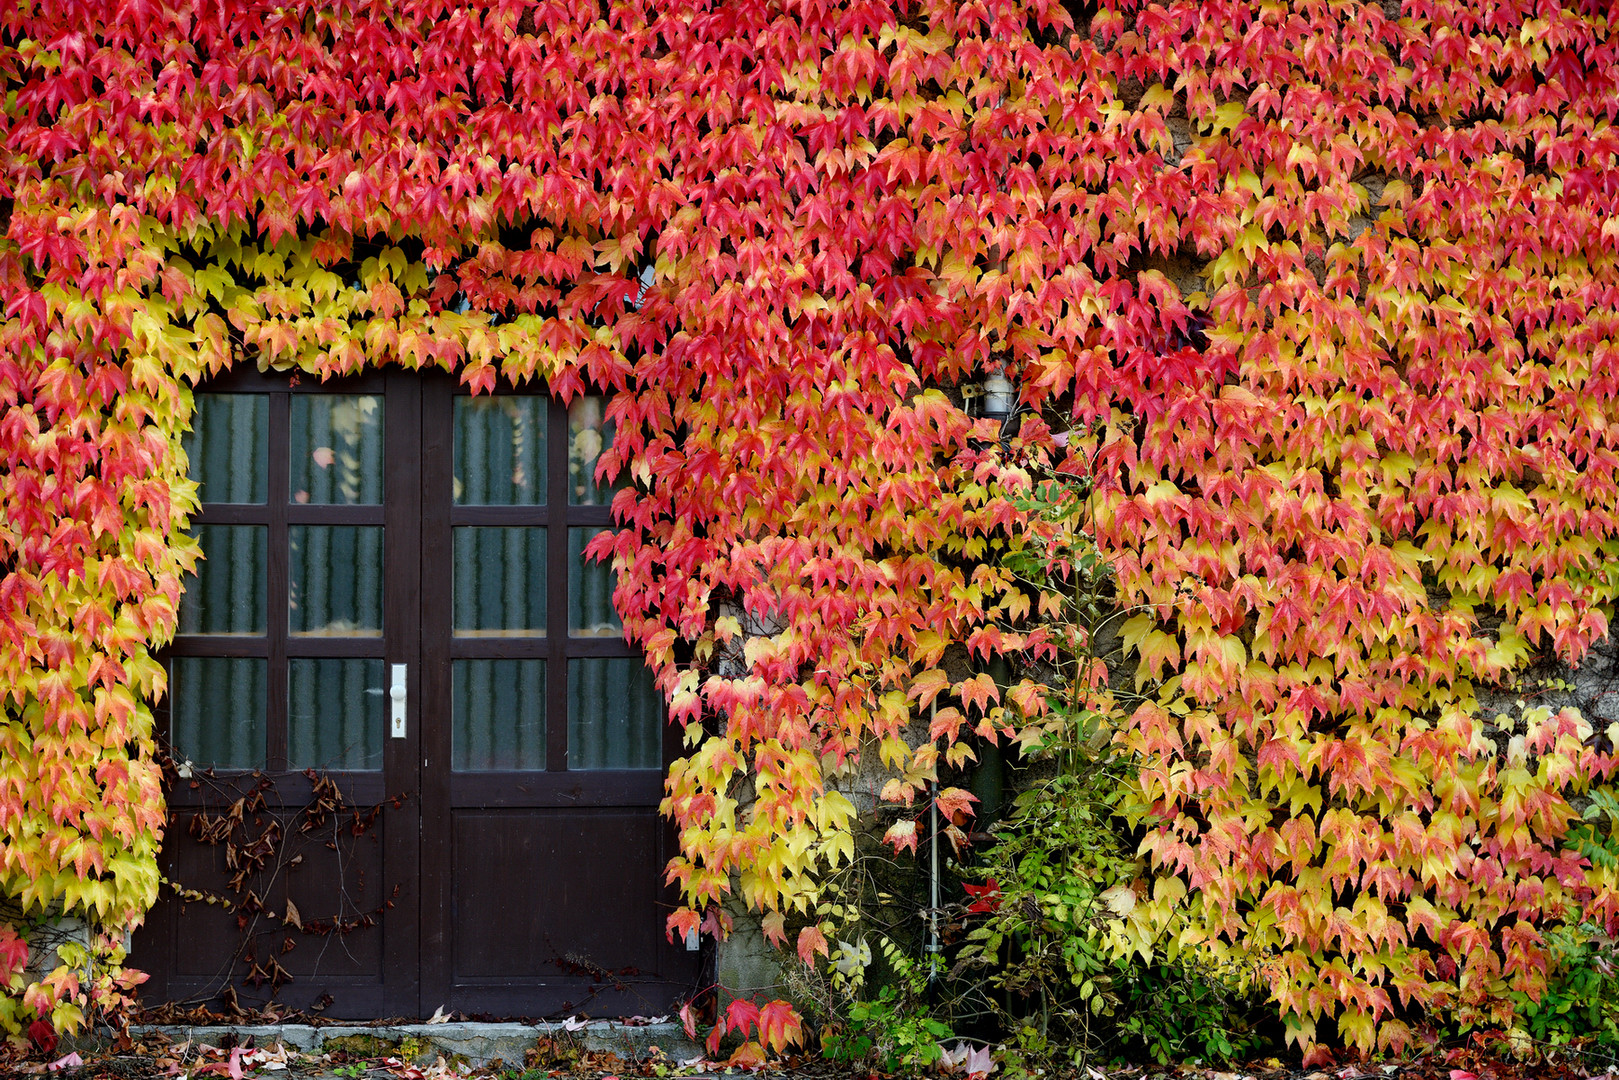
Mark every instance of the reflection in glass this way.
pixel 499 585
pixel 589 433
pixel 227 594
pixel 227 448
pixel 500 450
pixel 615 715
pixel 590 590
pixel 335 580
pixel 336 448
pixel 217 708
pixel 497 715
pixel 335 711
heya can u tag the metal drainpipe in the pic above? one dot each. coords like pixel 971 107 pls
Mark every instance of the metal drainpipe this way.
pixel 933 873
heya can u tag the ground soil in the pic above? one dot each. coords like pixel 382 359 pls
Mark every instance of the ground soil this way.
pixel 153 1061
pixel 558 1058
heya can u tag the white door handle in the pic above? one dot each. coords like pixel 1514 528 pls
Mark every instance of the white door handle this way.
pixel 396 698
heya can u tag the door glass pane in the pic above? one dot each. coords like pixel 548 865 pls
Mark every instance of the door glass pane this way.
pixel 335 580
pixel 614 715
pixel 218 707
pixel 589 433
pixel 500 450
pixel 227 594
pixel 228 447
pixel 499 582
pixel 590 591
pixel 335 443
pixel 335 711
pixel 497 715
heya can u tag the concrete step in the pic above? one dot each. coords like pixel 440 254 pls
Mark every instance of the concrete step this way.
pixel 476 1044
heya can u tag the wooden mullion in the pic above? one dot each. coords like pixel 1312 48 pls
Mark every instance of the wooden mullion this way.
pixel 516 647
pixel 313 647
pixel 583 787
pixel 556 561
pixel 293 791
pixel 277 588
pixel 231 514
pixel 608 647
pixel 227 646
pixel 367 382
pixel 247 379
pixel 335 514
pixel 592 515
pixel 507 516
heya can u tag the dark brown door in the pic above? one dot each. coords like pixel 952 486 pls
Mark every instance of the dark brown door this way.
pixel 418 763
pixel 543 853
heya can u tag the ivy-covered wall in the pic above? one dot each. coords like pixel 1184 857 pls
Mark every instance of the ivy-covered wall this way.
pixel 1353 467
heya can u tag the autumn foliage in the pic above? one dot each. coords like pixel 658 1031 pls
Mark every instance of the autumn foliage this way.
pixel 1321 297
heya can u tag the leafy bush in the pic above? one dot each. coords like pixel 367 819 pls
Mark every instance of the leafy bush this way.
pixel 1172 1011
pixel 881 1031
pixel 1048 941
pixel 1581 999
pixel 871 1004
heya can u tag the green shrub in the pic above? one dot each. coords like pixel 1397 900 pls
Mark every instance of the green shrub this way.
pixel 871 1006
pixel 1581 999
pixel 1059 988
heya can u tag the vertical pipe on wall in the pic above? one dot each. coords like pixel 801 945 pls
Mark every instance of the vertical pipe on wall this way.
pixel 933 873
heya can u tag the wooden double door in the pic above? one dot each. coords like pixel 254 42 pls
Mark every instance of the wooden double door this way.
pixel 416 765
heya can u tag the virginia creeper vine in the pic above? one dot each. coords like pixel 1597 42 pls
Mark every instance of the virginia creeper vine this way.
pixel 1320 296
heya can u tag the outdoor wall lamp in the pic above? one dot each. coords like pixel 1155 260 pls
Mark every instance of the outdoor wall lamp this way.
pixel 998 398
